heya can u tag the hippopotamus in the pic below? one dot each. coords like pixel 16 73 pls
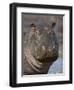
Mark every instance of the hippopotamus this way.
pixel 40 50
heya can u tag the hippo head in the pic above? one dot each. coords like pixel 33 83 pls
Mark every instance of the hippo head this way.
pixel 43 45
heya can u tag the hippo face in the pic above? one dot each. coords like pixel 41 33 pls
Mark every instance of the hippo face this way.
pixel 43 46
pixel 46 49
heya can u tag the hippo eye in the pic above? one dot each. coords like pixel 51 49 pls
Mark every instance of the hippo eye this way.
pixel 53 25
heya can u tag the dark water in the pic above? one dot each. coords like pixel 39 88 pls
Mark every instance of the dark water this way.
pixel 57 67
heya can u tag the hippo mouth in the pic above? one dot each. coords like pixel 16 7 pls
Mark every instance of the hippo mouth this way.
pixel 45 56
pixel 47 59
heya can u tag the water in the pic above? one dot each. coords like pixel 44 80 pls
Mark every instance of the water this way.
pixel 56 67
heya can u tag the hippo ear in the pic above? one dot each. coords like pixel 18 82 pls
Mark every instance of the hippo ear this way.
pixel 32 25
pixel 53 24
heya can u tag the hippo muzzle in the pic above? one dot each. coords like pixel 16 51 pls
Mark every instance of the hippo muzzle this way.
pixel 44 49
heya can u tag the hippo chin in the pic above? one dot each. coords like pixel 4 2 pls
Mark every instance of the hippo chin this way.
pixel 41 50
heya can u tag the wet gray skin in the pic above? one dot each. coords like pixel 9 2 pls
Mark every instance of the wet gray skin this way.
pixel 43 48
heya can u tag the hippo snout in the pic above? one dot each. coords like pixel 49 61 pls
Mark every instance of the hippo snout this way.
pixel 46 55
